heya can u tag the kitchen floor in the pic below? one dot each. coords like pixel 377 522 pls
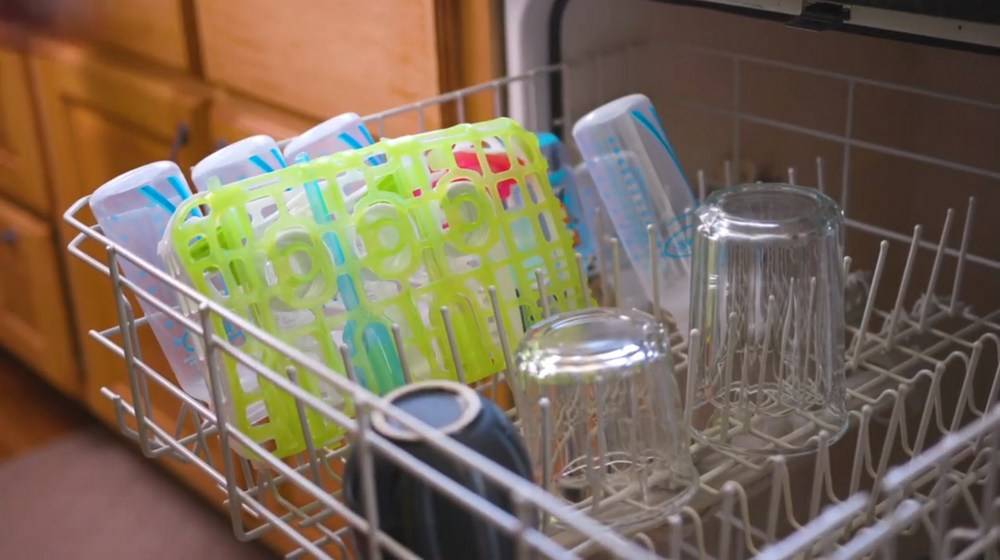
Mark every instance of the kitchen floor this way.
pixel 32 414
pixel 69 488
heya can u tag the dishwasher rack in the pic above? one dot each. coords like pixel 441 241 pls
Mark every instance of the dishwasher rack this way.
pixel 917 467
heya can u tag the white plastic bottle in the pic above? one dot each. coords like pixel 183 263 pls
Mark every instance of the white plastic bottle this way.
pixel 637 175
pixel 133 210
pixel 240 160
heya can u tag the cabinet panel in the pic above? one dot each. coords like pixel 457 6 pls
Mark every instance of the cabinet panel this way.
pixel 34 321
pixel 234 118
pixel 22 172
pixel 322 58
pixel 102 119
pixel 153 29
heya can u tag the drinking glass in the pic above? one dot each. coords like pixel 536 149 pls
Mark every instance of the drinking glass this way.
pixel 601 415
pixel 768 301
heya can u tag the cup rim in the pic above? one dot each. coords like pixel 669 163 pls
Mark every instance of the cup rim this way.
pixel 808 211
pixel 468 396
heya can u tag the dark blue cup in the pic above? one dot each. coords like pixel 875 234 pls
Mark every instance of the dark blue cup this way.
pixel 428 523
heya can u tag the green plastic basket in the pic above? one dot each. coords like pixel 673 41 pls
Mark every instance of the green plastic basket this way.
pixel 341 248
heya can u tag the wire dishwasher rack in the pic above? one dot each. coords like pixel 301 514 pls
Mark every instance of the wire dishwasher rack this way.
pixel 915 475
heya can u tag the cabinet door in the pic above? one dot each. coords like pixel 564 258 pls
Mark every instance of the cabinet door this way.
pixel 22 175
pixel 34 322
pixel 102 119
pixel 325 58
pixel 234 118
pixel 159 30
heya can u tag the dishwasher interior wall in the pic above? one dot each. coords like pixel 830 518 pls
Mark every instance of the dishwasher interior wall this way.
pixel 905 130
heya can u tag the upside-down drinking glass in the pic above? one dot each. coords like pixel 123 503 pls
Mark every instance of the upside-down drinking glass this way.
pixel 601 415
pixel 767 297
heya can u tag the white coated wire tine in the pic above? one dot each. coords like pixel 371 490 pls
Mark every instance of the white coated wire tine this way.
pixel 600 391
pixel 940 524
pixel 990 486
pixel 345 357
pixel 676 524
pixel 786 328
pixel 508 358
pixel 523 510
pixel 653 270
pixel 869 540
pixel 646 542
pixel 544 408
pixel 963 249
pixel 847 267
pixel 449 330
pixel 129 343
pixel 583 435
pixel 766 346
pixel 991 397
pixel 860 449
pixel 815 498
pixel 635 444
pixel 727 379
pixel 368 490
pixel 494 387
pixel 965 396
pixel 727 172
pixel 726 519
pixel 791 176
pixel 820 175
pixel 602 265
pixel 497 109
pixel 248 474
pixel 460 107
pixel 702 188
pixel 859 339
pixel 581 268
pixel 300 409
pixel 616 264
pixel 119 406
pixel 693 375
pixel 182 417
pixel 200 435
pixel 922 429
pixel 543 295
pixel 745 408
pixel 935 270
pixel 807 338
pixel 883 461
pixel 216 392
pixel 903 286
pixel 140 379
pixel 778 473
pixel 404 362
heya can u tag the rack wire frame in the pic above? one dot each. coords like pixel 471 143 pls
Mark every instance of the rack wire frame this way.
pixel 917 450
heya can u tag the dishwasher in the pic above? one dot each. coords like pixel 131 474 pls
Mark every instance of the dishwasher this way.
pixel 889 108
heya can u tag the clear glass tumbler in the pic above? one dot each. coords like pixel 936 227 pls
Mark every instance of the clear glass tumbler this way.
pixel 601 415
pixel 767 296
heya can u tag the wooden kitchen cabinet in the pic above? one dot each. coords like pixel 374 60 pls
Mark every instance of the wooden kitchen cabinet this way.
pixel 323 58
pixel 34 321
pixel 233 118
pixel 102 118
pixel 158 30
pixel 22 171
